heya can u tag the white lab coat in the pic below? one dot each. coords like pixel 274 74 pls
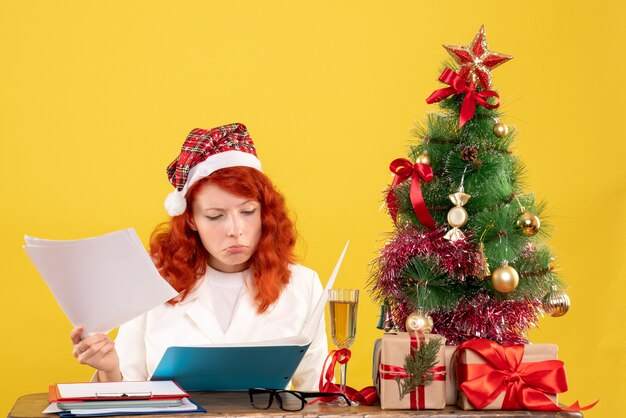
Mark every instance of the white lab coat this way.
pixel 142 341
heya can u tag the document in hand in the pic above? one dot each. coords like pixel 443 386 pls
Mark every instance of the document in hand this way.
pixel 237 367
pixel 100 282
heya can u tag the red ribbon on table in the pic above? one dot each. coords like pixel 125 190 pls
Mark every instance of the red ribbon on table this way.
pixel 417 398
pixel 403 169
pixel 459 86
pixel 525 384
pixel 365 396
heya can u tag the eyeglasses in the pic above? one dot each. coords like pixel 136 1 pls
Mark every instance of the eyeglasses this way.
pixel 288 400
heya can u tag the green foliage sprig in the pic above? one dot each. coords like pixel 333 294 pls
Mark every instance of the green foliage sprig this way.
pixel 419 366
pixel 425 285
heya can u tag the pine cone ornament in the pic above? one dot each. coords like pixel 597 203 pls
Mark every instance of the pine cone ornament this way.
pixel 469 154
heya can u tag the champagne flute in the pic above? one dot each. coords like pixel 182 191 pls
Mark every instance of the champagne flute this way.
pixel 343 309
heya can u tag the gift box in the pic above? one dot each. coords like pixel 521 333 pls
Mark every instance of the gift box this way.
pixel 451 388
pixel 376 364
pixel 491 376
pixel 397 386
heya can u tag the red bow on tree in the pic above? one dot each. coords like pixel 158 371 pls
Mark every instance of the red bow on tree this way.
pixel 525 384
pixel 458 86
pixel 403 169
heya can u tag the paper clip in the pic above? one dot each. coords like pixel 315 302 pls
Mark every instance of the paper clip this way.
pixel 124 395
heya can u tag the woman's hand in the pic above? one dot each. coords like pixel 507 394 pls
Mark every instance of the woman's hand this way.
pixel 97 351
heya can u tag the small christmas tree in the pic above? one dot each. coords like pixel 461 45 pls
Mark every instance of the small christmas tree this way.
pixel 468 255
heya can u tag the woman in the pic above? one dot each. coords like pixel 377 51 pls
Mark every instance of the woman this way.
pixel 228 250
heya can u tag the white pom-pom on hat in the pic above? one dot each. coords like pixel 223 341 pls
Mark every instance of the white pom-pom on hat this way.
pixel 175 203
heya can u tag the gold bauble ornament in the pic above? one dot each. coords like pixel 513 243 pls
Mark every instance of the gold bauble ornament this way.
pixel 500 130
pixel 419 321
pixel 504 279
pixel 423 158
pixel 556 302
pixel 528 222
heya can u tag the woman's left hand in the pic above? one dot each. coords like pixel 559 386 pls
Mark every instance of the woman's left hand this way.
pixel 97 351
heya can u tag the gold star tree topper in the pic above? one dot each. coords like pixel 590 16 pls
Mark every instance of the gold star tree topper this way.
pixel 476 60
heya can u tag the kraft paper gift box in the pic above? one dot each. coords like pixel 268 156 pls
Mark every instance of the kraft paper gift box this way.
pixel 393 350
pixel 376 364
pixel 533 353
pixel 451 389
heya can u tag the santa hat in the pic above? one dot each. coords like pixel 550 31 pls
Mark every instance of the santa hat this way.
pixel 204 152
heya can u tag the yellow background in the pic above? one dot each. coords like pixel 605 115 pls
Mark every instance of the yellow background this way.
pixel 97 97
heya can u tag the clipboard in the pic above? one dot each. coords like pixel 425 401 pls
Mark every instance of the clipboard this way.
pixel 238 367
pixel 115 391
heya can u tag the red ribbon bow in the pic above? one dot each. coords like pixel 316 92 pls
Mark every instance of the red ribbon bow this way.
pixel 403 169
pixel 417 398
pixel 458 86
pixel 525 384
pixel 365 396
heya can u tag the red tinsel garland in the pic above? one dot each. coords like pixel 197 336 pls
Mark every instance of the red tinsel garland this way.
pixel 503 321
pixel 478 315
pixel 458 259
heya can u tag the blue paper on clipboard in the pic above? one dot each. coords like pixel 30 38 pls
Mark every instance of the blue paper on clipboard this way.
pixel 233 367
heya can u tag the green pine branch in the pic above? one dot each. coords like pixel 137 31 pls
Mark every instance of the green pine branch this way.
pixel 426 287
pixel 419 366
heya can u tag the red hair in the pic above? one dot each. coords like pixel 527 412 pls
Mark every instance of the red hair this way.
pixel 181 258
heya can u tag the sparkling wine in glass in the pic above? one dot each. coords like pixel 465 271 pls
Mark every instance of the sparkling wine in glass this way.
pixel 343 305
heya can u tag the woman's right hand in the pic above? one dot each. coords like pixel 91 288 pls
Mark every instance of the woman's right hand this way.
pixel 97 351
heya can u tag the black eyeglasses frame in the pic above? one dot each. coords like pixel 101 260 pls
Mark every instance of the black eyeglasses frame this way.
pixel 275 394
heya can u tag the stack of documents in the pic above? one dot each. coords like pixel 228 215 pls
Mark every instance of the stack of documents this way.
pixel 100 282
pixel 119 398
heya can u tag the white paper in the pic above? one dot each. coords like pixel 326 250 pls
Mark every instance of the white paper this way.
pixel 310 328
pixel 86 390
pixel 100 282
pixel 186 406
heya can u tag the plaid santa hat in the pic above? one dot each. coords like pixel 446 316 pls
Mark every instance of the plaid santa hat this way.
pixel 204 152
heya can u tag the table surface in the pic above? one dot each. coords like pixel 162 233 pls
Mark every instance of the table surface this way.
pixel 237 404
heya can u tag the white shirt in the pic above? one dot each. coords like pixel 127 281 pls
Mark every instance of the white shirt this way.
pixel 224 289
pixel 142 341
